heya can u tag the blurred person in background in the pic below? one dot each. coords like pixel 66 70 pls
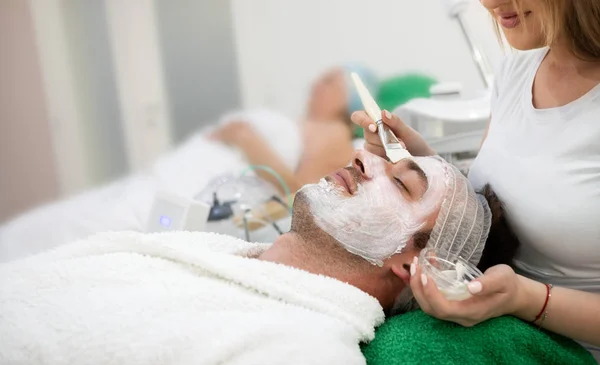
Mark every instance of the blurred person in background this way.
pixel 327 131
pixel 300 152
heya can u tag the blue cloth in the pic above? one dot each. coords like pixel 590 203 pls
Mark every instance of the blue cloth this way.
pixel 368 78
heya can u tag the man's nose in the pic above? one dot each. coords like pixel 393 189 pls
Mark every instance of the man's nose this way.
pixel 366 163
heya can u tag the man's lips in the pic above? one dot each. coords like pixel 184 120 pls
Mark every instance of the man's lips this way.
pixel 345 179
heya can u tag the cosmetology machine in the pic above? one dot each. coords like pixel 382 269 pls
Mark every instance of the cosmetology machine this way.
pixel 454 126
pixel 243 206
pixel 172 212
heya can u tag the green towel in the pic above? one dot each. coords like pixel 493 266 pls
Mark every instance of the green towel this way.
pixel 401 89
pixel 416 338
pixel 397 90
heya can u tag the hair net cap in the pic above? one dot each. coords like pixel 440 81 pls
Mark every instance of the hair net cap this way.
pixel 462 226
pixel 368 78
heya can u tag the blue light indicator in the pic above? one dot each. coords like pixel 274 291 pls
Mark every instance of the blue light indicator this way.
pixel 165 221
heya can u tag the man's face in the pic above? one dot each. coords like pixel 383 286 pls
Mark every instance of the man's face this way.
pixel 375 207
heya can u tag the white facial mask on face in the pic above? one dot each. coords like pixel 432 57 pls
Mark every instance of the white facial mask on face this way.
pixel 377 221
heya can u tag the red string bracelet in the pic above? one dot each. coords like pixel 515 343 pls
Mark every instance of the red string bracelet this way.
pixel 548 291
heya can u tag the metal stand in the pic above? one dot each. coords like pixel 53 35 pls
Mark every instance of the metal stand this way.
pixel 246 228
pixel 482 63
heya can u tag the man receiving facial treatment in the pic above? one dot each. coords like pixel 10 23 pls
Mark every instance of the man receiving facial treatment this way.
pixel 201 298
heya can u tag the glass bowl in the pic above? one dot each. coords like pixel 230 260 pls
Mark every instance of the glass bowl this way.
pixel 450 276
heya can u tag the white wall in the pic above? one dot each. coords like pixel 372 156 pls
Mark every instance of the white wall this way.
pixel 283 45
pixel 95 85
pixel 144 106
pixel 201 78
pixel 27 171
pixel 64 109
pixel 103 85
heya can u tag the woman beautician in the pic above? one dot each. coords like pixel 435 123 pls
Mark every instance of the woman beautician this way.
pixel 541 154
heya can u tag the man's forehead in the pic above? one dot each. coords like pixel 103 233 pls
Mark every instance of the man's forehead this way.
pixel 428 164
pixel 437 167
pixel 436 170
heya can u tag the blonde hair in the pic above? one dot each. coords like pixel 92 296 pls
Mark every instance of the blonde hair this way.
pixel 578 21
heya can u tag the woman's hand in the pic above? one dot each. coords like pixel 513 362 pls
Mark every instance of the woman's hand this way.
pixel 414 142
pixel 572 313
pixel 232 133
pixel 496 293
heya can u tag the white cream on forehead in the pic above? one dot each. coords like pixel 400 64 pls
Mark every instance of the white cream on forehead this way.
pixel 377 221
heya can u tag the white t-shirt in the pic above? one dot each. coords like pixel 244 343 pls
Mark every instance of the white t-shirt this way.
pixel 544 165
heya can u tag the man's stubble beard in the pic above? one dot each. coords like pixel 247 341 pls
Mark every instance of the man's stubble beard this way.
pixel 303 222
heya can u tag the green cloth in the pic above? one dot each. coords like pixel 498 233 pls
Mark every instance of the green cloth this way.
pixel 417 338
pixel 398 90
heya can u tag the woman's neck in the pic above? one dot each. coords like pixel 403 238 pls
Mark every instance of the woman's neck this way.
pixel 561 57
pixel 563 78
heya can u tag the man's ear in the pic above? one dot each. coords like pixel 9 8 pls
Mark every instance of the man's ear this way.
pixel 402 271
pixel 399 263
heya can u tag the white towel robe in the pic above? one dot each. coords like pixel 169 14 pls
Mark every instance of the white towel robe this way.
pixel 176 298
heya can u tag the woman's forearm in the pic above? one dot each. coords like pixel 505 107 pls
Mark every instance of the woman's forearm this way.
pixel 571 313
pixel 258 152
